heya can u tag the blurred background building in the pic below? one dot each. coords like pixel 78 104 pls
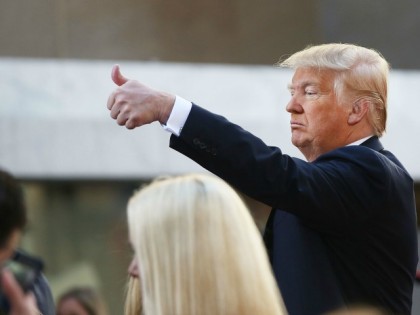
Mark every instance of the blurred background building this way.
pixel 79 168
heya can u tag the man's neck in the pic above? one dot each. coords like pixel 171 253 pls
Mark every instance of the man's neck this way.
pixel 311 154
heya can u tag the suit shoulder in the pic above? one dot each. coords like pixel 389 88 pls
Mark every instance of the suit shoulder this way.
pixel 363 157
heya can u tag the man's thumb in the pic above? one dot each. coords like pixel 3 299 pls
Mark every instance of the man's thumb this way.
pixel 117 77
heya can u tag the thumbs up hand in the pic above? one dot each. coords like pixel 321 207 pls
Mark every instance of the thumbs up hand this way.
pixel 134 104
pixel 117 77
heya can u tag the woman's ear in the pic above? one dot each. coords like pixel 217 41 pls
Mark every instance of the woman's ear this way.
pixel 358 111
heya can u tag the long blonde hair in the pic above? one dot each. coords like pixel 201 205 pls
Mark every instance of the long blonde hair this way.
pixel 133 300
pixel 199 251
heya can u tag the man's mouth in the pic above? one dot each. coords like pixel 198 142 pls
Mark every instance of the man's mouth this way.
pixel 295 124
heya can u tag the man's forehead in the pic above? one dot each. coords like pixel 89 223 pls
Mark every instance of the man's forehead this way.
pixel 304 77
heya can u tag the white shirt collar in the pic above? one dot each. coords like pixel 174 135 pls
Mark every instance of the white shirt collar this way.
pixel 360 141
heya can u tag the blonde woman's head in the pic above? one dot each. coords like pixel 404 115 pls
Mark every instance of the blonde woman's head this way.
pixel 198 250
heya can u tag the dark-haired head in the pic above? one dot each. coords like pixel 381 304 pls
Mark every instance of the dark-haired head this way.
pixel 12 207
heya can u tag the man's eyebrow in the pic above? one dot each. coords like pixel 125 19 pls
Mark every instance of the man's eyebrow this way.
pixel 305 84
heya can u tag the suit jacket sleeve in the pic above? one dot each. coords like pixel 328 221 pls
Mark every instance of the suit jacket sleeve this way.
pixel 322 193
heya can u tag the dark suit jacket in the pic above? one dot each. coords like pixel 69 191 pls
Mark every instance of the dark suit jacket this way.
pixel 346 231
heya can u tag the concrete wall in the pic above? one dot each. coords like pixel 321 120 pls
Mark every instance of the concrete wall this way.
pixel 184 30
pixel 220 31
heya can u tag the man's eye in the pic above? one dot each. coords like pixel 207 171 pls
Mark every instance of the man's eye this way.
pixel 311 94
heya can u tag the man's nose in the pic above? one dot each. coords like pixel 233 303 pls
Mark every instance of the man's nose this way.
pixel 294 106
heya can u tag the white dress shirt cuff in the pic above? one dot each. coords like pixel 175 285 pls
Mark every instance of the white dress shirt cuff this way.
pixel 178 116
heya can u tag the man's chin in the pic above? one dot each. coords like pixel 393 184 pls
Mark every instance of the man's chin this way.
pixel 298 142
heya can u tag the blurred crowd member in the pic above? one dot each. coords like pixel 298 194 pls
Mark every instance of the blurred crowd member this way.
pixel 81 301
pixel 13 218
pixel 198 251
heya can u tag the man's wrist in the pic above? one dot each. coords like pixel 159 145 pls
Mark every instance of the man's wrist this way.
pixel 178 116
pixel 166 108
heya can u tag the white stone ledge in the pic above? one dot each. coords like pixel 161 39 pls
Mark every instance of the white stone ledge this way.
pixel 54 122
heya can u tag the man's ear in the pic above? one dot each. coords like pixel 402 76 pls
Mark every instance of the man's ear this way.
pixel 358 111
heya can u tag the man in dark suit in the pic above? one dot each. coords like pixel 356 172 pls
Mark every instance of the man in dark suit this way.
pixel 342 231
